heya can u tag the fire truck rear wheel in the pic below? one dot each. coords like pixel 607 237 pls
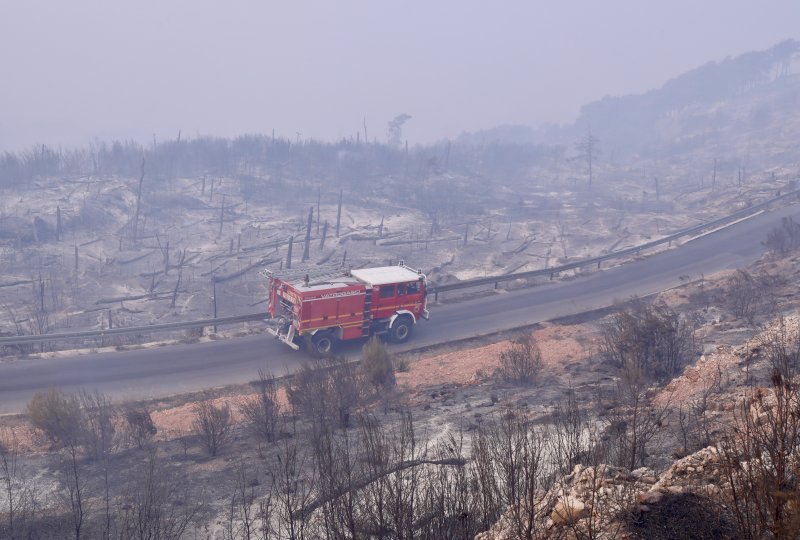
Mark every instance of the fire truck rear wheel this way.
pixel 401 329
pixel 322 343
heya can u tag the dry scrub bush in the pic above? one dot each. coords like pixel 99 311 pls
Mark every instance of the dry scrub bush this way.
pixel 744 295
pixel 748 294
pixel 19 498
pixel 633 421
pixel 522 361
pixel 511 473
pixel 98 423
pixel 85 420
pixel 293 484
pixel 155 505
pixel 761 451
pixel 651 339
pixel 337 470
pixel 381 481
pixel 325 391
pixel 58 415
pixel 262 411
pixel 682 515
pixel 448 499
pixel 695 425
pixel 249 515
pixel 569 434
pixel 213 423
pixel 376 364
pixel 139 426
pixel 785 238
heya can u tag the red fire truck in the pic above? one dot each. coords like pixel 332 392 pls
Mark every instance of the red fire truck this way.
pixel 320 311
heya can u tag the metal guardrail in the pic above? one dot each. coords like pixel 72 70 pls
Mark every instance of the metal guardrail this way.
pixel 435 289
pixel 16 340
pixel 713 224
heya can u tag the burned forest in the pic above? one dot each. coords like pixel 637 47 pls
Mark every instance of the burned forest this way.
pixel 673 413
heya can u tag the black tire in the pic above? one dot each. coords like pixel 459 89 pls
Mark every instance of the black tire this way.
pixel 402 329
pixel 323 343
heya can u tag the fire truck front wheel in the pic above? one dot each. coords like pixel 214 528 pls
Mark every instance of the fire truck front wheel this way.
pixel 322 343
pixel 401 329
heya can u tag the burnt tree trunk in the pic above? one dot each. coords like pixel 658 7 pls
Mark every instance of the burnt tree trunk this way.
pixel 339 214
pixel 221 216
pixel 58 224
pixel 307 246
pixel 405 174
pixel 138 204
pixel 166 259
pixel 714 176
pixel 324 235
pixel 289 253
pixel 175 290
pixel 214 297
pixel 41 295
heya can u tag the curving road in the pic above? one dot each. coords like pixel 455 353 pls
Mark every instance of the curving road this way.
pixel 156 372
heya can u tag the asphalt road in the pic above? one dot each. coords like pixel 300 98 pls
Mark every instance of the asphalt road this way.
pixel 161 371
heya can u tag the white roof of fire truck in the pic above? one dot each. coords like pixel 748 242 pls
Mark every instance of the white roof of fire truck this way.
pixel 385 274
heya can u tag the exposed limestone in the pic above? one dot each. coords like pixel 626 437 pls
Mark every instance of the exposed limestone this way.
pixel 568 510
pixel 598 499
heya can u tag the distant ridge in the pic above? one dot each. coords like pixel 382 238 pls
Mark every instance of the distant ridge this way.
pixel 630 124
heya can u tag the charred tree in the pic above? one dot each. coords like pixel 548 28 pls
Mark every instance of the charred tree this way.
pixel 289 253
pixel 714 176
pixel 339 213
pixel 324 235
pixel 138 205
pixel 221 216
pixel 175 290
pixel 307 246
pixel 588 149
pixel 59 231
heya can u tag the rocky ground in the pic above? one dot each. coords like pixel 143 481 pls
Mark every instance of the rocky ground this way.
pixel 603 501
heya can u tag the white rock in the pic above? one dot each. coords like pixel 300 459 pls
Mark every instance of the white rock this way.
pixel 568 510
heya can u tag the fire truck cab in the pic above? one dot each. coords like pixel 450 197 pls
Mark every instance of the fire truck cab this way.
pixel 322 311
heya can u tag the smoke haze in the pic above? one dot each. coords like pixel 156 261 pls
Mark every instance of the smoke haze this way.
pixel 75 71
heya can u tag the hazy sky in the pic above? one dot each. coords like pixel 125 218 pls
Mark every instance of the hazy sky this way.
pixel 80 69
